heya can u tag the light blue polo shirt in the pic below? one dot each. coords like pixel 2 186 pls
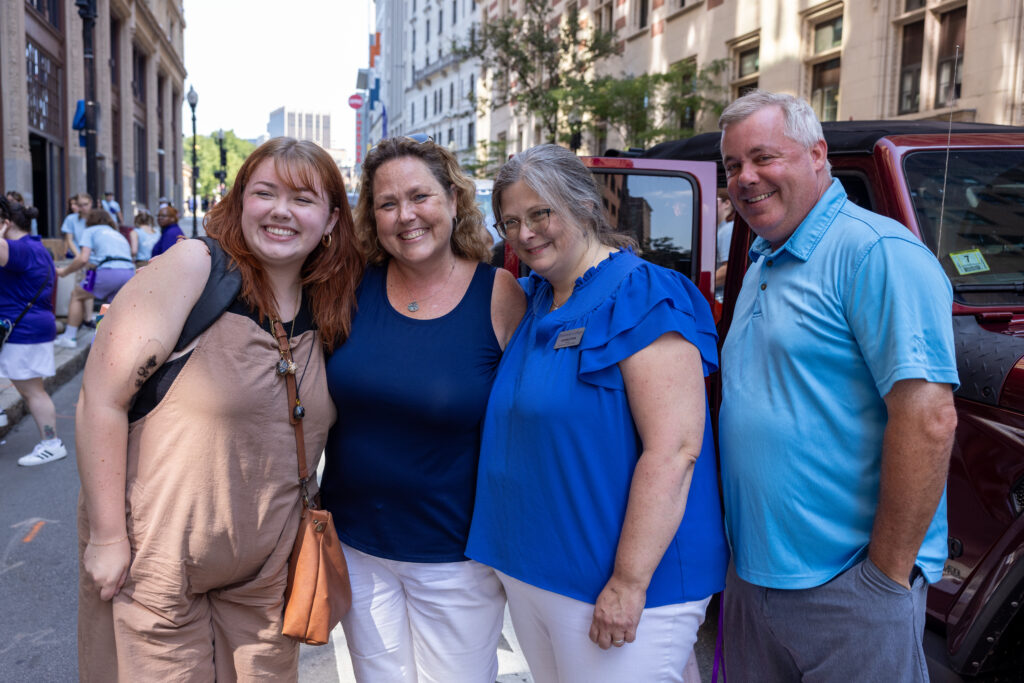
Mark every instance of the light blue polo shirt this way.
pixel 824 326
pixel 108 247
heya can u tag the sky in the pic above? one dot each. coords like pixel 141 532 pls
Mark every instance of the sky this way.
pixel 246 58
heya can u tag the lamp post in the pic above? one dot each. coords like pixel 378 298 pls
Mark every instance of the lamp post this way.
pixel 193 99
pixel 223 177
pixel 87 10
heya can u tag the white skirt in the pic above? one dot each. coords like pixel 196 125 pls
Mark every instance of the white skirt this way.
pixel 27 361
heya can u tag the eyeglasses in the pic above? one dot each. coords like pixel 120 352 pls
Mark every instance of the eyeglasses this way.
pixel 536 220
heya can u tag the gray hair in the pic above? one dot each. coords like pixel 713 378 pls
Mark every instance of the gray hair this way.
pixel 561 180
pixel 802 125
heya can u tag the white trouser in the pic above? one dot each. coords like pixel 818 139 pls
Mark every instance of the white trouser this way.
pixel 423 622
pixel 553 631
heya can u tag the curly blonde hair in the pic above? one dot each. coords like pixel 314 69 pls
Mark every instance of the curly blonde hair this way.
pixel 469 236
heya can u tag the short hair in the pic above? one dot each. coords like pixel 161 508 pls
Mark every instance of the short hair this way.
pixel 468 236
pixel 99 217
pixel 173 213
pixel 802 125
pixel 561 180
pixel 82 195
pixel 331 272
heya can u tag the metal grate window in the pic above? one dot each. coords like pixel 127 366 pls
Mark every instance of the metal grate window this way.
pixel 44 88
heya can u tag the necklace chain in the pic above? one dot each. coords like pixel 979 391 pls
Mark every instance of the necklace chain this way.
pixel 414 304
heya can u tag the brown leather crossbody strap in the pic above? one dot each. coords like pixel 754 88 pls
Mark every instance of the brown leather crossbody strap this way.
pixel 289 377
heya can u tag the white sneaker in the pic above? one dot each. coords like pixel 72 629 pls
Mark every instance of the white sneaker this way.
pixel 41 455
pixel 65 342
pixel 3 418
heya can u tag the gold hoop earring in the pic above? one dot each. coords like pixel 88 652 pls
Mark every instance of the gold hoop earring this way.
pixel 327 239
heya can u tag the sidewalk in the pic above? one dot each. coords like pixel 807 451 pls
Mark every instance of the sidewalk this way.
pixel 69 363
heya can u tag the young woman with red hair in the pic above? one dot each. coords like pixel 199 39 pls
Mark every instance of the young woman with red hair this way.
pixel 190 495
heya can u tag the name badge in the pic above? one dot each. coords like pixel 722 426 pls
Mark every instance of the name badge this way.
pixel 569 338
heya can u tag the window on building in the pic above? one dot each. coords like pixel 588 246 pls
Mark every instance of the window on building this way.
pixel 455 9
pixel 426 34
pixel 951 57
pixel 141 166
pixel 161 154
pixel 603 14
pixel 911 52
pixel 472 87
pixel 688 87
pixel 825 89
pixel 138 74
pixel 414 38
pixel 440 21
pixel 912 5
pixel 412 113
pixel 451 95
pixel 828 35
pixel 50 9
pixel 115 53
pixel 747 63
pixel 424 106
pixel 470 134
pixel 44 91
pixel 451 135
pixel 643 10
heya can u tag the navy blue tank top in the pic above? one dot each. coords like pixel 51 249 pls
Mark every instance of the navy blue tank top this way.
pixel 401 461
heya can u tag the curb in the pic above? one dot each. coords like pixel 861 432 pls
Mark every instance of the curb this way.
pixel 68 367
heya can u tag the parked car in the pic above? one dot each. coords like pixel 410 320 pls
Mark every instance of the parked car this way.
pixel 960 188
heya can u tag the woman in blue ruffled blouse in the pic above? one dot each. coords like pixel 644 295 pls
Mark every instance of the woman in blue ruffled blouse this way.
pixel 596 439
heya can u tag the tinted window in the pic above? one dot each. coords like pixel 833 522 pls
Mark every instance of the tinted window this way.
pixel 657 211
pixel 978 232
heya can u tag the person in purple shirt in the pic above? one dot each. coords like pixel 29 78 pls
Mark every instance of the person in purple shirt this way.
pixel 27 279
pixel 167 217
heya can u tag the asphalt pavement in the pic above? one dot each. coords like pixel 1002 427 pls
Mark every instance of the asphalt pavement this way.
pixel 39 558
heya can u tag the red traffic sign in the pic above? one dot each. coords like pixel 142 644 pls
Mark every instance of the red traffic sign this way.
pixel 356 101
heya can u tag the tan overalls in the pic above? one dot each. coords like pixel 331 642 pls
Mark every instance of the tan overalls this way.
pixel 213 507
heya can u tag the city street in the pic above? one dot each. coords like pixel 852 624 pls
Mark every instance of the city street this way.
pixel 39 572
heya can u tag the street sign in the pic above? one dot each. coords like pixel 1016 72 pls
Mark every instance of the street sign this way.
pixel 355 101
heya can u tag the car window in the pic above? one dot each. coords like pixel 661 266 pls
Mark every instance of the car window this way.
pixel 977 232
pixel 657 211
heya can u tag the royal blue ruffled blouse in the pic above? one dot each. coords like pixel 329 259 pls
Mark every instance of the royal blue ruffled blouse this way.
pixel 560 446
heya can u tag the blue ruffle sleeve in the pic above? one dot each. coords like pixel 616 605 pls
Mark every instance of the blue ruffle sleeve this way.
pixel 650 302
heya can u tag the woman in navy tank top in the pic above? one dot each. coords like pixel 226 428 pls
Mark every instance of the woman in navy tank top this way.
pixel 411 384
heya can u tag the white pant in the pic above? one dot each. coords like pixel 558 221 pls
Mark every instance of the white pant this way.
pixel 553 631
pixel 422 622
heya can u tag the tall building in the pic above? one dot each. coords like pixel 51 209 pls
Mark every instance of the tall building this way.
pixel 424 87
pixel 301 125
pixel 140 76
pixel 884 59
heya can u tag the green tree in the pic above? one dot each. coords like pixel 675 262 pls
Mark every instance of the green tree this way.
pixel 208 154
pixel 538 64
pixel 650 108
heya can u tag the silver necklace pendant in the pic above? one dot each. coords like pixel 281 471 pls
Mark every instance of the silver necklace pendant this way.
pixel 413 307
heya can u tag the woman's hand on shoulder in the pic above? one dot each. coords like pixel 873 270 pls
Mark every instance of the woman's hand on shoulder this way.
pixel 107 566
pixel 508 305
pixel 617 613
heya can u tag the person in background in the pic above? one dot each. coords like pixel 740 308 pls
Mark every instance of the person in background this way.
pixel 410 385
pixel 837 417
pixel 167 218
pixel 15 197
pixel 190 495
pixel 597 438
pixel 73 226
pixel 111 206
pixel 109 257
pixel 146 237
pixel 722 241
pixel 27 277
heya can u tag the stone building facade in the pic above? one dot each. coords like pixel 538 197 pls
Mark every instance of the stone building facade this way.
pixel 140 76
pixel 852 59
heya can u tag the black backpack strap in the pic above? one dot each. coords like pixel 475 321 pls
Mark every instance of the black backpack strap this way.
pixel 221 290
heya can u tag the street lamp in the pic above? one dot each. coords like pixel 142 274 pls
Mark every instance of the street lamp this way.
pixel 87 10
pixel 223 173
pixel 193 100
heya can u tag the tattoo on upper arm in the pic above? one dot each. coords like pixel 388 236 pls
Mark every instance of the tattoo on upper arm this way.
pixel 144 371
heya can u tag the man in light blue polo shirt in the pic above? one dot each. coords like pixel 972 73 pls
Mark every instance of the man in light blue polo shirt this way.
pixel 837 417
pixel 73 226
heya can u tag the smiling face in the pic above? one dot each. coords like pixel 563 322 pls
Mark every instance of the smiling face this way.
pixel 554 247
pixel 774 182
pixel 413 212
pixel 281 224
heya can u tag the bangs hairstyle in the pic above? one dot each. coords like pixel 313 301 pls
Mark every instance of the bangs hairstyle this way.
pixel 562 181
pixel 469 236
pixel 330 274
pixel 802 125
